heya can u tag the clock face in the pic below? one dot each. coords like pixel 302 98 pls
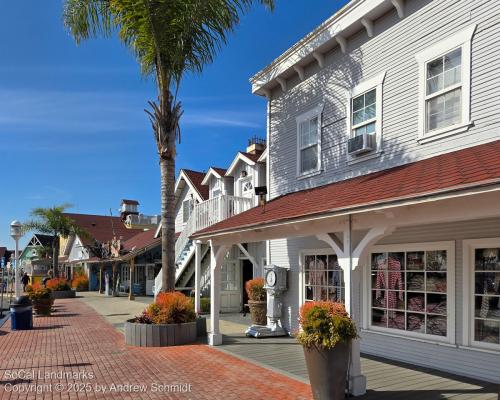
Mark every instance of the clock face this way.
pixel 271 278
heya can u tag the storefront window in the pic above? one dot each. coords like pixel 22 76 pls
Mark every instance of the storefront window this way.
pixel 324 279
pixel 409 291
pixel 487 295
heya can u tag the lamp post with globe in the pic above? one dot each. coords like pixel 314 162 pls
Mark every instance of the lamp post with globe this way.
pixel 16 232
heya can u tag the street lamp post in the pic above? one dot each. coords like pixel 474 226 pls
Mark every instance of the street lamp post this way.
pixel 16 233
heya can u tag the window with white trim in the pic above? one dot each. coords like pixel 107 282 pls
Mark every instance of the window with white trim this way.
pixel 364 122
pixel 486 291
pixel 445 74
pixel 309 142
pixel 364 115
pixel 216 189
pixel 246 187
pixel 187 208
pixel 411 290
pixel 323 277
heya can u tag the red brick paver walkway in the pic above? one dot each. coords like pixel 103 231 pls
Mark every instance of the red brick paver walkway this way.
pixel 77 341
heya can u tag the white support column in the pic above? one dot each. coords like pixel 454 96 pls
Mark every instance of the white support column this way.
pixel 348 259
pixel 197 276
pixel 217 254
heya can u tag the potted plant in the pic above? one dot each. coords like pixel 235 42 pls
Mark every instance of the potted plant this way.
pixel 257 301
pixel 326 335
pixel 169 321
pixel 80 282
pixel 60 287
pixel 41 297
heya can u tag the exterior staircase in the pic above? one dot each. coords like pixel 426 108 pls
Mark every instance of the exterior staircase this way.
pixel 204 214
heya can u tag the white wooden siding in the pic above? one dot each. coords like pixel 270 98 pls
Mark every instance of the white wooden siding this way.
pixel 452 358
pixel 392 49
pixel 185 194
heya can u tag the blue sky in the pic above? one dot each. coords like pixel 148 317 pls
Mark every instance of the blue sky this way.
pixel 72 125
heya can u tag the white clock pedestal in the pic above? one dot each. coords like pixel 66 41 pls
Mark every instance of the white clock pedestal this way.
pixel 275 285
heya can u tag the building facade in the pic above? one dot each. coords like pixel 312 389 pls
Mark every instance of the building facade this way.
pixel 383 175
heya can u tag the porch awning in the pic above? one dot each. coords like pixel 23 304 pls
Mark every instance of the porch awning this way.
pixel 443 175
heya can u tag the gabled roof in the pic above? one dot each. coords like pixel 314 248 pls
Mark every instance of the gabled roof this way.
pixel 217 172
pixel 249 158
pixel 460 170
pixel 194 179
pixel 102 227
pixel 39 239
pixel 132 202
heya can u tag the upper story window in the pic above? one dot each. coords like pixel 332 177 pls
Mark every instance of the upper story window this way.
pixel 246 187
pixel 365 118
pixel 445 74
pixel 187 208
pixel 216 189
pixel 309 142
pixel 364 109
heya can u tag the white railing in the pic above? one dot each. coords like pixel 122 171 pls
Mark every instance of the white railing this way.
pixel 209 213
pixel 204 215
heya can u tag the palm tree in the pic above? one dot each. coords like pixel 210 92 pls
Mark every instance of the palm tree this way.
pixel 169 38
pixel 52 221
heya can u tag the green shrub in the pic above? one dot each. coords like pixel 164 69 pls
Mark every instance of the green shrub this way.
pixel 325 324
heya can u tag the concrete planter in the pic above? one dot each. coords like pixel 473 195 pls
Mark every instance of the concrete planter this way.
pixel 63 294
pixel 150 335
pixel 327 369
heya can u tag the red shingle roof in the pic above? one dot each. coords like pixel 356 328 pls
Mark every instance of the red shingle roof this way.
pixel 196 178
pixel 141 240
pixel 473 166
pixel 251 156
pixel 220 171
pixel 100 227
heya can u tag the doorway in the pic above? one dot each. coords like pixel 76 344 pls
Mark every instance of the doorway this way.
pixel 247 274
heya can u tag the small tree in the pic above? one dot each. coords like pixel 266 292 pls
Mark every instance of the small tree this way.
pixel 168 38
pixel 52 221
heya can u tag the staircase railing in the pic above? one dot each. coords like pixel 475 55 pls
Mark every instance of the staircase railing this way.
pixel 206 214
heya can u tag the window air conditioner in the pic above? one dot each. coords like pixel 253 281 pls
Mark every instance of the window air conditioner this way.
pixel 361 144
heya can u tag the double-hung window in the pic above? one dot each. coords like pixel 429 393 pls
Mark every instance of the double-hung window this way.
pixel 216 189
pixel 364 117
pixel 309 142
pixel 445 73
pixel 364 113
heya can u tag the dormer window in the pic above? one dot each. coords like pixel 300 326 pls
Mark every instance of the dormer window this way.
pixel 216 189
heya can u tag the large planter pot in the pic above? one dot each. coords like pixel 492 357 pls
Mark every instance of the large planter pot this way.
pixel 63 294
pixel 327 370
pixel 43 306
pixel 151 335
pixel 258 312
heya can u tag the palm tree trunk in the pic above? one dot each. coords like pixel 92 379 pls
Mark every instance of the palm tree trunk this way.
pixel 167 167
pixel 55 255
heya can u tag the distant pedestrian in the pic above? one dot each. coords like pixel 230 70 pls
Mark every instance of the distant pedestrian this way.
pixel 25 281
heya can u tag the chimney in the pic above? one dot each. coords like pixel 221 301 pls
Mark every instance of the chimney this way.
pixel 128 207
pixel 256 145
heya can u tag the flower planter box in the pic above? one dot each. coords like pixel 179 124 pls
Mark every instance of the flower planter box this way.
pixel 151 335
pixel 63 294
pixel 43 306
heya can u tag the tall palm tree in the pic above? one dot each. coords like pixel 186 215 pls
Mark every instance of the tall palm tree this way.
pixel 169 38
pixel 52 221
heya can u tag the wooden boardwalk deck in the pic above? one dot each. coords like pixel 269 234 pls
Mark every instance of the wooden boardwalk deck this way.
pixel 386 379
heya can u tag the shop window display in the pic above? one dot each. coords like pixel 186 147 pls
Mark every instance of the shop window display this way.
pixel 409 291
pixel 324 279
pixel 487 296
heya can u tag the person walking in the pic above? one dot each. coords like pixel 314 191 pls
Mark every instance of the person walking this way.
pixel 25 280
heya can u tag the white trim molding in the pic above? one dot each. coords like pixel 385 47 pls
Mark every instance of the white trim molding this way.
pixel 468 301
pixel 315 112
pixel 376 82
pixel 463 40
